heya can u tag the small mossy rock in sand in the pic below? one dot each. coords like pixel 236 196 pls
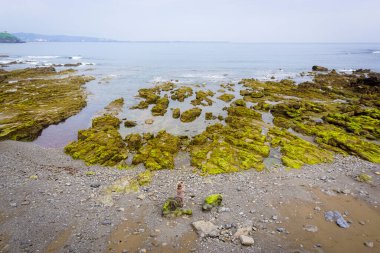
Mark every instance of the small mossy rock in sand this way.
pixel 202 98
pixel 176 113
pixel 191 114
pixel 173 208
pixel 211 201
pixel 158 153
pixel 364 178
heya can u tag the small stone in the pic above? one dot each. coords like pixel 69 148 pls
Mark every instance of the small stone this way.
pixel 246 240
pixel 317 208
pixel 149 121
pixel 368 244
pixel 68 184
pixel 164 244
pixel 205 228
pixel 346 191
pixel 310 228
pixel 13 204
pixel 26 202
pixel 362 222
pixel 106 222
pixel 121 209
pixel 281 230
pixel 141 197
pixel 223 209
pixel 95 185
pixel 274 217
pixel 142 251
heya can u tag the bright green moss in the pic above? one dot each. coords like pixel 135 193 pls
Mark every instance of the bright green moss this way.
pixel 225 149
pixel 34 98
pixel 159 152
pixel 295 151
pixel 173 208
pixel 364 178
pixel 211 201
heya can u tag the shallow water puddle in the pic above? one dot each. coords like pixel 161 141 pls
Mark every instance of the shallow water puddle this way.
pixel 59 241
pixel 330 237
pixel 134 235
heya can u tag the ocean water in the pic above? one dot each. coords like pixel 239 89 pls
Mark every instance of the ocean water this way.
pixel 123 68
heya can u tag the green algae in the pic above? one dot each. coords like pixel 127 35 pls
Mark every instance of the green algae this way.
pixel 209 116
pixel 176 113
pixel 158 153
pixel 224 149
pixel 295 151
pixel 364 178
pixel 161 106
pixel 173 208
pixel 190 115
pixel 239 102
pixel 211 201
pixel 181 93
pixel 35 98
pixel 243 112
pixel 100 144
pixel 134 141
pixel 226 97
pixel 202 98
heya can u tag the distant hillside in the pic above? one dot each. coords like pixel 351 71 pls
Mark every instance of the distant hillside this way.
pixel 33 37
pixel 9 38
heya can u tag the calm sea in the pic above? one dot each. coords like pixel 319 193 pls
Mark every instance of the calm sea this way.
pixel 122 68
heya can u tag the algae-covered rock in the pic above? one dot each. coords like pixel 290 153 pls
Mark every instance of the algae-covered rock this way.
pixel 336 139
pixel 182 93
pixel 130 123
pixel 161 106
pixel 239 102
pixel 364 178
pixel 202 98
pixel 141 105
pixel 115 106
pixel 226 97
pixel 225 149
pixel 211 201
pixel 158 153
pixel 319 68
pixel 150 95
pixel 167 86
pixel 191 114
pixel 34 98
pixel 295 151
pixel 209 116
pixel 243 112
pixel 173 208
pixel 176 113
pixel 134 141
pixel 100 144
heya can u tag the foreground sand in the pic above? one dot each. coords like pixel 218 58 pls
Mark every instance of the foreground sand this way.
pixel 50 204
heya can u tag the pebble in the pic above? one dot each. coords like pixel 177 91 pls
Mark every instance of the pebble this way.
pixel 223 209
pixel 310 228
pixel 246 240
pixel 281 230
pixel 13 204
pixel 317 208
pixel 141 197
pixel 274 217
pixel 106 222
pixel 149 121
pixel 95 185
pixel 368 244
pixel 362 222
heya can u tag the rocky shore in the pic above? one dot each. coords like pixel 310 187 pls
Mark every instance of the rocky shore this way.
pixel 52 203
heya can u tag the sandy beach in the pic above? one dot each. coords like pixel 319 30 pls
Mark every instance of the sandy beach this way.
pixel 50 203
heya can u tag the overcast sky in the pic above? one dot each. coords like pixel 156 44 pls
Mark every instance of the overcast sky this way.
pixel 200 20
